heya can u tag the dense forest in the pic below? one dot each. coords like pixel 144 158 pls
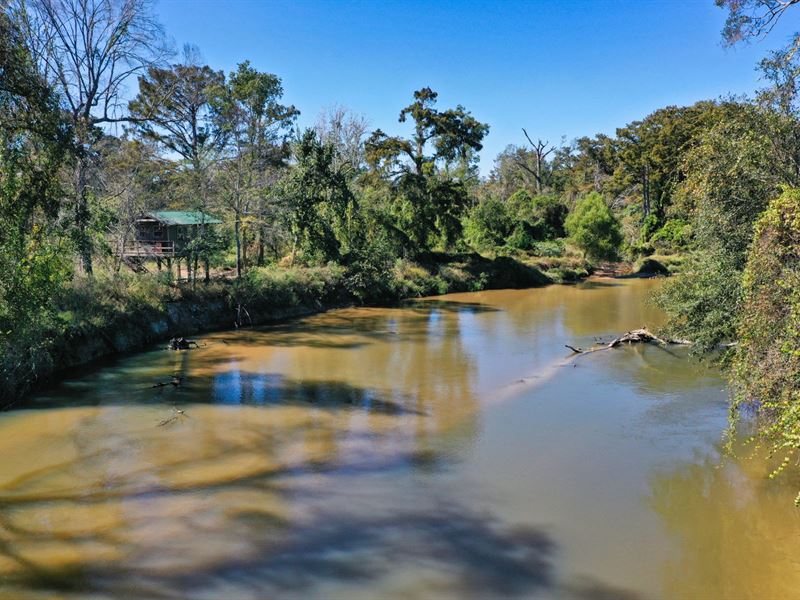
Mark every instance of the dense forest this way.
pixel 100 122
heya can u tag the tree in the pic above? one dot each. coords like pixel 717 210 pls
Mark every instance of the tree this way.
pixel 88 50
pixel 320 206
pixel 174 109
pixel 34 142
pixel 588 164
pixel 593 228
pixel 257 128
pixel 431 199
pixel 748 19
pixel 488 225
pixel 766 364
pixel 650 154
pixel 541 150
pixel 136 179
pixel 731 175
pixel 346 131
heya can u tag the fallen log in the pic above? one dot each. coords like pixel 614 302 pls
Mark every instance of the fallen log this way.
pixel 181 343
pixel 176 381
pixel 178 414
pixel 636 336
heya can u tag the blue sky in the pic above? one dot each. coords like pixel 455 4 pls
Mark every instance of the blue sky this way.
pixel 559 68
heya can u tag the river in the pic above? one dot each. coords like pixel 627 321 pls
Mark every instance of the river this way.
pixel 447 448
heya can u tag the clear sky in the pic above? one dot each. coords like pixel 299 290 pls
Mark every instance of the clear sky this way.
pixel 558 68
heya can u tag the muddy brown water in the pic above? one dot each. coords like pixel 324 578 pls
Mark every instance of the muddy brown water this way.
pixel 447 448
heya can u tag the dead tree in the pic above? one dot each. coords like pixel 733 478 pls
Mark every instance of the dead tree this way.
pixel 541 150
pixel 89 50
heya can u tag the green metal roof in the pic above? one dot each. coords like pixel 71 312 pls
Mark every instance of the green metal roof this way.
pixel 183 217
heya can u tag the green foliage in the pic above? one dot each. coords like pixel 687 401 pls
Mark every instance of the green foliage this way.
pixel 593 228
pixel 428 172
pixel 766 363
pixel 174 108
pixel 731 175
pixel 286 287
pixel 704 301
pixel 548 248
pixel 675 234
pixel 319 201
pixel 548 214
pixel 524 236
pixel 370 264
pixel 488 225
pixel 34 253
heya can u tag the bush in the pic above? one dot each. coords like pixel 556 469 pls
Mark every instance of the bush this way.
pixel 551 212
pixel 551 248
pixel 594 229
pixel 703 301
pixel 766 363
pixel 412 280
pixel 650 267
pixel 523 237
pixel 488 225
pixel 675 234
pixel 287 287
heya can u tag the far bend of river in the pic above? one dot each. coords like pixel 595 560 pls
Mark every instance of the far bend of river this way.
pixel 449 448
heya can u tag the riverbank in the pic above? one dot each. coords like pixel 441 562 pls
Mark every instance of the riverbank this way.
pixel 123 312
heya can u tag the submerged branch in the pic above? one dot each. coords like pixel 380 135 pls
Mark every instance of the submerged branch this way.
pixel 631 337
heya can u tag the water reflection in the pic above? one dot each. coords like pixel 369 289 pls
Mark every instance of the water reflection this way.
pixel 737 530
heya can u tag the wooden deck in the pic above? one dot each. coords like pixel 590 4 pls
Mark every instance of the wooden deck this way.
pixel 149 249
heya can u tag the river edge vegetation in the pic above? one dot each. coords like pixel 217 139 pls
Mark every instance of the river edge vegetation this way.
pixel 339 214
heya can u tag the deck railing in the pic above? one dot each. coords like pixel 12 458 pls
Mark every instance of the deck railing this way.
pixel 149 248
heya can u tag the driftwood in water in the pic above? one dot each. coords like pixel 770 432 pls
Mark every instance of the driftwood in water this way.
pixel 637 336
pixel 181 343
pixel 176 381
pixel 177 414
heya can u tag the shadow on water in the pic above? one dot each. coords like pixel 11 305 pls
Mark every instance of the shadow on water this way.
pixel 233 388
pixel 429 304
pixel 479 556
pixel 596 284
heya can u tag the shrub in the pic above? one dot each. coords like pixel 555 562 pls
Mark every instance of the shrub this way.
pixel 488 225
pixel 551 212
pixel 594 229
pixel 550 248
pixel 766 363
pixel 675 233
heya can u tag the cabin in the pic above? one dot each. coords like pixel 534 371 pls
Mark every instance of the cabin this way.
pixel 165 233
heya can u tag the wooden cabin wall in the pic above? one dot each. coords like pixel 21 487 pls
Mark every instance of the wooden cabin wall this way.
pixel 145 231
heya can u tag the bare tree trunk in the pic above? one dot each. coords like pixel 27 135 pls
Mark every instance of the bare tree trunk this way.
pixel 538 172
pixel 260 256
pixel 82 217
pixel 295 241
pixel 541 150
pixel 244 249
pixel 237 235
